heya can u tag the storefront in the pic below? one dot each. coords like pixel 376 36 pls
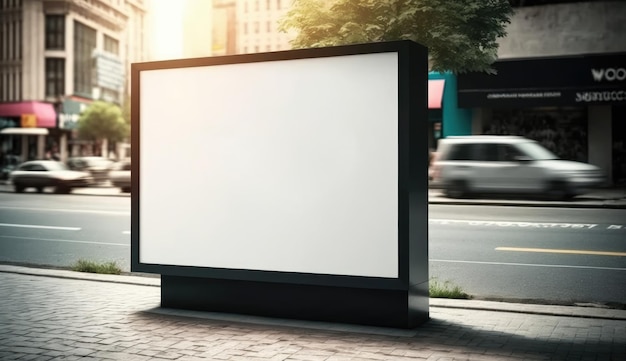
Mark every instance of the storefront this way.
pixel 67 132
pixel 445 117
pixel 574 105
pixel 24 127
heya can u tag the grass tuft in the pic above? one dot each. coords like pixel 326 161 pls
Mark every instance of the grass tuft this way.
pixel 110 268
pixel 438 289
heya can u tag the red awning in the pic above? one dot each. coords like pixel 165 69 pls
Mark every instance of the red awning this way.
pixel 45 113
pixel 435 93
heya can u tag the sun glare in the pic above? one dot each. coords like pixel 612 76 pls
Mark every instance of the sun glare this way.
pixel 167 29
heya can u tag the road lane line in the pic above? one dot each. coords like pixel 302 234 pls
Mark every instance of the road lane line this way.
pixel 93 211
pixel 40 227
pixel 528 265
pixel 515 224
pixel 562 251
pixel 65 241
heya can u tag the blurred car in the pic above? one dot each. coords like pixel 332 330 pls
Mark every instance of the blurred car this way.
pixel 40 174
pixel 120 176
pixel 468 165
pixel 98 167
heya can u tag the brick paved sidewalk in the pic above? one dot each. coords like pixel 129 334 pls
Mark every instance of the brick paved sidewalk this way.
pixel 93 317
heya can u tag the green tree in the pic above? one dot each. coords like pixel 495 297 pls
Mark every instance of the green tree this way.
pixel 102 120
pixel 460 34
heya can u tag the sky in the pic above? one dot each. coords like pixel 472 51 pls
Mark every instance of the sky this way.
pixel 167 28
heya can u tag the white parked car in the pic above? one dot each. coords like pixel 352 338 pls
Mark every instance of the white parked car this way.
pixel 468 165
pixel 119 176
pixel 40 174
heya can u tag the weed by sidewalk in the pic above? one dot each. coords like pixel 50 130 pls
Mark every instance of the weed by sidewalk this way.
pixel 110 268
pixel 438 289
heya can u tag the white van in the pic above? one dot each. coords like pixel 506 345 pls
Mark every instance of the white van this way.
pixel 468 165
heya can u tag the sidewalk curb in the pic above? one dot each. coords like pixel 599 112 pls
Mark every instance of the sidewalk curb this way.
pixel 475 305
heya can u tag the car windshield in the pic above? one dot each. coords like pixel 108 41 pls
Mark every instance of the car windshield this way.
pixel 536 151
pixel 56 166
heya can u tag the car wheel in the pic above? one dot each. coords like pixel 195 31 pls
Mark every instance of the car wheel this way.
pixel 125 189
pixel 18 188
pixel 457 189
pixel 558 191
pixel 39 189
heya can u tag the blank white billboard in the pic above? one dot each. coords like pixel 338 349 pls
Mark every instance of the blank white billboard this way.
pixel 287 165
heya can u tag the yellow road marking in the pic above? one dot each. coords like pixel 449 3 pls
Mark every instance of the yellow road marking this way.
pixel 563 251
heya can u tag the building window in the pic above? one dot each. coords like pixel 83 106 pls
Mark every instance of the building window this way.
pixel 111 45
pixel 278 6
pixel 55 77
pixel 256 27
pixel 245 28
pixel 269 26
pixel 55 32
pixel 84 44
pixel 267 4
pixel 256 5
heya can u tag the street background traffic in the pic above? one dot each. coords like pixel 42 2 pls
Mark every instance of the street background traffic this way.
pixel 546 252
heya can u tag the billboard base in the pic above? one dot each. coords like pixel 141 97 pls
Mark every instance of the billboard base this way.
pixel 373 307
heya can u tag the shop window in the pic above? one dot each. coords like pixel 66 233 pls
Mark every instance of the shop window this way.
pixel 561 130
pixel 55 32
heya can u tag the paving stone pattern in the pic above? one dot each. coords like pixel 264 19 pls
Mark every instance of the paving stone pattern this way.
pixel 47 318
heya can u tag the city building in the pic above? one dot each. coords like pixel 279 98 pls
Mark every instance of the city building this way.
pixel 228 27
pixel 443 104
pixel 561 79
pixel 257 26
pixel 56 57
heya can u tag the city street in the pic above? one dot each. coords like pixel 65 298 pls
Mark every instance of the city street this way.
pixel 556 254
pixel 563 255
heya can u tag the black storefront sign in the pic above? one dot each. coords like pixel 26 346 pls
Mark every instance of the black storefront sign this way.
pixel 556 81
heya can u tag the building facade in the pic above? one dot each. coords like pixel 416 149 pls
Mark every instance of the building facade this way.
pixel 561 79
pixel 228 27
pixel 55 58
pixel 257 26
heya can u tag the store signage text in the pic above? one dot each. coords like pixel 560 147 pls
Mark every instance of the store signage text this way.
pixel 601 96
pixel 548 94
pixel 28 121
pixel 609 74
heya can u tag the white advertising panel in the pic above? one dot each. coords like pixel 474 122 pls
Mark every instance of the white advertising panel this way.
pixel 288 166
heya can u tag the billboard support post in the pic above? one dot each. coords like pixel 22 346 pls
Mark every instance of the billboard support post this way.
pixel 300 188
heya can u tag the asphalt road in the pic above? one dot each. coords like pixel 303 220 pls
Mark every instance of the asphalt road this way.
pixel 556 254
pixel 560 255
pixel 58 230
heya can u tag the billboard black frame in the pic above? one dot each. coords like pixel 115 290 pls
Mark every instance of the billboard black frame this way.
pixel 412 280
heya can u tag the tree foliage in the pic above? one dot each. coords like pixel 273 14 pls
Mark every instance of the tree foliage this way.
pixel 102 120
pixel 460 34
